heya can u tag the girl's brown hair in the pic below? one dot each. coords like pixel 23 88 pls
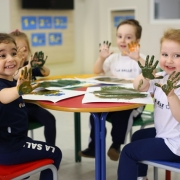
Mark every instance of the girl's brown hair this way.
pixel 6 38
pixel 134 23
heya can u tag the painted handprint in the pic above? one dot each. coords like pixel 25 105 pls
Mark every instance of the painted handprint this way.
pixel 133 46
pixel 24 82
pixel 171 83
pixel 38 60
pixel 133 51
pixel 148 69
pixel 104 49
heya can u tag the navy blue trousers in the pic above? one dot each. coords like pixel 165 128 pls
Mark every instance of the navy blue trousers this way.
pixel 144 146
pixel 119 122
pixel 37 113
pixel 31 151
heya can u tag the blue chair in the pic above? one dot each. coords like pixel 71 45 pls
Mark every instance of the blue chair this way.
pixel 169 166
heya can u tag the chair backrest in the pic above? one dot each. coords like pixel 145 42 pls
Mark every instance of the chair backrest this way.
pixel 20 171
pixel 34 125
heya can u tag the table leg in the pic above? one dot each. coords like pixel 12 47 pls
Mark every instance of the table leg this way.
pixel 100 157
pixel 77 135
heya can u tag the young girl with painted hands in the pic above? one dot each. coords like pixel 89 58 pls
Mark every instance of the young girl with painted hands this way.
pixel 34 111
pixel 162 142
pixel 15 146
pixel 120 65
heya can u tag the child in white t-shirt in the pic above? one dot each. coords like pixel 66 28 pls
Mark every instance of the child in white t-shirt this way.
pixel 120 65
pixel 162 142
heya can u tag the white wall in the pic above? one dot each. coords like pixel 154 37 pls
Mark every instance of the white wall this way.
pixel 91 28
pixel 5 16
pixel 151 32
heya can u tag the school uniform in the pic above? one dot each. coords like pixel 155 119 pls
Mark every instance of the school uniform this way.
pixel 15 146
pixel 42 115
pixel 121 67
pixel 159 143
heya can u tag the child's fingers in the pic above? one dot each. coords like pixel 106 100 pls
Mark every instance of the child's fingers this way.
pixel 35 86
pixel 30 74
pixel 25 73
pixel 46 58
pixel 21 75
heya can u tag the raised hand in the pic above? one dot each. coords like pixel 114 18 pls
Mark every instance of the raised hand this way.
pixel 38 60
pixel 20 55
pixel 133 51
pixel 104 50
pixel 171 83
pixel 148 70
pixel 24 82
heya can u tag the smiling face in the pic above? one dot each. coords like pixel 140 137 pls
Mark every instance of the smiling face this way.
pixel 170 56
pixel 9 62
pixel 126 33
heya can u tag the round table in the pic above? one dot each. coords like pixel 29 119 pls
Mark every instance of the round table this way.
pixel 75 105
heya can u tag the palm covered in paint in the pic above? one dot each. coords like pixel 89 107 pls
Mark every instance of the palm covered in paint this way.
pixel 24 82
pixel 38 60
pixel 148 69
pixel 171 83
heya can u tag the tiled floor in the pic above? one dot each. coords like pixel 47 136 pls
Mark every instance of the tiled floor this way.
pixel 69 169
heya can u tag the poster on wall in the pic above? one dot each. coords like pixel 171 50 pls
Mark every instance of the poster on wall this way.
pixel 60 22
pixel 44 22
pixel 119 19
pixel 38 39
pixel 55 39
pixel 50 31
pixel 28 22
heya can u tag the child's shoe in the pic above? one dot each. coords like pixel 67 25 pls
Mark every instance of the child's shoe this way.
pixel 89 153
pixel 142 178
pixel 114 152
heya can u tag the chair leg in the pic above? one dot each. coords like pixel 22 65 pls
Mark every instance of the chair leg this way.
pixel 168 175
pixel 155 173
pixel 32 135
pixel 77 128
pixel 130 135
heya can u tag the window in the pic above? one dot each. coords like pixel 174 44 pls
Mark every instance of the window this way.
pixel 165 10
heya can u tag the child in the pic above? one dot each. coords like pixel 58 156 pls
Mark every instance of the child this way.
pixel 34 111
pixel 120 65
pixel 15 146
pixel 161 142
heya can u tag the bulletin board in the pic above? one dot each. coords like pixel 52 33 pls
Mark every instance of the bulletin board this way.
pixel 117 16
pixel 50 31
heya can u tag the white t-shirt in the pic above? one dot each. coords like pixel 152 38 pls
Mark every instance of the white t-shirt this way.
pixel 122 66
pixel 167 127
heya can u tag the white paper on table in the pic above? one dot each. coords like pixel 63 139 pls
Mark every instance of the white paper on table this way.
pixel 93 80
pixel 63 94
pixel 89 97
pixel 83 83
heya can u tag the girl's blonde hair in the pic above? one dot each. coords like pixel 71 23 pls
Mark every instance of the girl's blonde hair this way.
pixel 172 35
pixel 18 34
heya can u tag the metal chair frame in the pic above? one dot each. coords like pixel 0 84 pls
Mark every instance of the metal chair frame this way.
pixel 51 166
pixel 168 166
